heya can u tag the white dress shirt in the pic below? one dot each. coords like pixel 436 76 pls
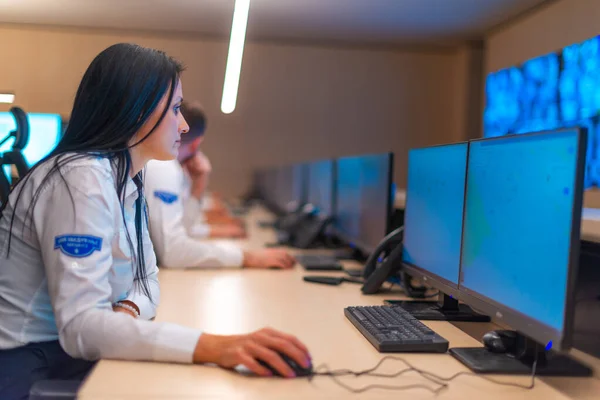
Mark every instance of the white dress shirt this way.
pixel 72 261
pixel 173 216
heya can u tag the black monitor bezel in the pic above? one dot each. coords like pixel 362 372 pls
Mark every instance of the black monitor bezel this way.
pixel 528 326
pixel 343 236
pixel 267 189
pixel 428 277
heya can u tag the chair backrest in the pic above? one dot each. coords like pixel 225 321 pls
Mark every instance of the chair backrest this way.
pixel 21 134
pixel 4 185
pixel 17 159
pixel 15 155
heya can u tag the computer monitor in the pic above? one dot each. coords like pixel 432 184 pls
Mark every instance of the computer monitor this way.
pixel 261 183
pixel 44 134
pixel 520 244
pixel 290 187
pixel 321 178
pixel 433 221
pixel 363 200
pixel 435 197
pixel 267 181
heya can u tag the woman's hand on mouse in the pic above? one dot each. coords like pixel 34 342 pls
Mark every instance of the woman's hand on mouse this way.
pixel 233 350
pixel 268 258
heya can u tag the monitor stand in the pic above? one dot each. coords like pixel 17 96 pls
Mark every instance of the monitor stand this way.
pixel 445 309
pixel 519 360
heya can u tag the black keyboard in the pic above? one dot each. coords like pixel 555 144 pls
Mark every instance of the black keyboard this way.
pixel 392 329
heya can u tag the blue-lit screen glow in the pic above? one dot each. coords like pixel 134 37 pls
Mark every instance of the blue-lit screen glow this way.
pixel 434 209
pixel 44 134
pixel 518 222
pixel 363 193
pixel 554 91
pixel 290 186
pixel 320 186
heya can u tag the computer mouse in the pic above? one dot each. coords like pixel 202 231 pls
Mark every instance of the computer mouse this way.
pixel 299 370
pixel 500 341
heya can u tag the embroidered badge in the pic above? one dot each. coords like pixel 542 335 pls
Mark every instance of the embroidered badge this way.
pixel 166 197
pixel 77 245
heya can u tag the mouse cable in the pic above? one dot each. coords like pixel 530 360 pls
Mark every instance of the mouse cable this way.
pixel 334 377
pixel 333 374
pixel 442 382
pixel 530 386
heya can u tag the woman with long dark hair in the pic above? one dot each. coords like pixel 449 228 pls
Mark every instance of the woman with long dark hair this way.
pixel 78 274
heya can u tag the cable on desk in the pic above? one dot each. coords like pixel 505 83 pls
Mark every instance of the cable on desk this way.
pixel 441 382
pixel 334 376
pixel 511 384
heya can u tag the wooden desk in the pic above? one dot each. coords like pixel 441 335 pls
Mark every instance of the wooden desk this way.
pixel 235 301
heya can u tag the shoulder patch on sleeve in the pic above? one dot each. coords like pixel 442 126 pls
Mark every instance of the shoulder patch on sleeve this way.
pixel 78 246
pixel 165 197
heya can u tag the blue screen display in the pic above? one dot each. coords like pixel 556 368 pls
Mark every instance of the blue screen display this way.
pixel 518 222
pixel 44 134
pixel 290 186
pixel 363 194
pixel 434 209
pixel 320 186
pixel 553 91
pixel 299 183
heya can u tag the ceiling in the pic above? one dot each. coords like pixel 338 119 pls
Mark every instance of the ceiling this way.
pixel 346 21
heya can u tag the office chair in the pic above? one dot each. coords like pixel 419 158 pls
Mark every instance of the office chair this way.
pixel 21 134
pixel 4 187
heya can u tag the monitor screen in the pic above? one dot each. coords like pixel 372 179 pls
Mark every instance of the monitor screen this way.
pixel 44 134
pixel 267 185
pixel 320 186
pixel 299 183
pixel 363 199
pixel 522 212
pixel 261 183
pixel 433 217
pixel 290 186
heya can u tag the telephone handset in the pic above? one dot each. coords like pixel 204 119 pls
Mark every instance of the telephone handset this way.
pixel 290 222
pixel 384 262
pixel 309 231
pixel 387 244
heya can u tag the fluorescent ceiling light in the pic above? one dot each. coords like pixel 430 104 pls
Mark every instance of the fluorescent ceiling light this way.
pixel 234 58
pixel 7 98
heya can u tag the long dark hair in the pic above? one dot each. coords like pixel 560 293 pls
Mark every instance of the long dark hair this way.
pixel 120 90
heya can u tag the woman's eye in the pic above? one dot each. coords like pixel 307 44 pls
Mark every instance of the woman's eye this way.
pixel 176 109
